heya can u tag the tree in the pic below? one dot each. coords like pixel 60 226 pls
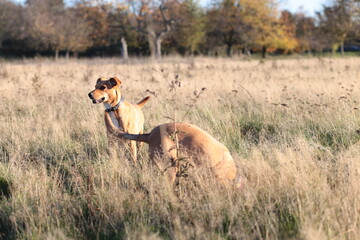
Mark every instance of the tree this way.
pixel 287 32
pixel 76 32
pixel 120 28
pixel 154 19
pixel 305 31
pixel 226 24
pixel 190 26
pixel 266 30
pixel 10 20
pixel 337 22
pixel 96 16
pixel 354 35
pixel 261 16
pixel 43 18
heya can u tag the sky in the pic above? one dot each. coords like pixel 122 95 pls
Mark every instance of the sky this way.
pixel 307 6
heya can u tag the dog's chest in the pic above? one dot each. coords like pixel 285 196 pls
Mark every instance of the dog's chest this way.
pixel 113 116
pixel 114 119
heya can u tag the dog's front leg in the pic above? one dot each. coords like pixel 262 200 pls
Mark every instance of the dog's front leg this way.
pixel 133 151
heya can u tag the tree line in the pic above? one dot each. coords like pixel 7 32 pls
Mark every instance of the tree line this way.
pixel 163 27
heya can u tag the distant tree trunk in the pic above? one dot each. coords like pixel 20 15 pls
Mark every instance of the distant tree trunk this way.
pixel 334 48
pixel 155 45
pixel 229 50
pixel 247 52
pixel 342 47
pixel 152 44
pixel 207 51
pixel 124 49
pixel 263 51
pixel 56 54
pixel 158 48
pixel 67 54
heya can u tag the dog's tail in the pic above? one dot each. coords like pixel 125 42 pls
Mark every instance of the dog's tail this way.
pixel 142 102
pixel 137 137
pixel 121 134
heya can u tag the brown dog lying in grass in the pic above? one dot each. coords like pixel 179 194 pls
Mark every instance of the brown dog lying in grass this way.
pixel 168 142
pixel 123 114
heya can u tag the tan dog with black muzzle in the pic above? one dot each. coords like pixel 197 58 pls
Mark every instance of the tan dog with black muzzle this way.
pixel 123 114
pixel 167 139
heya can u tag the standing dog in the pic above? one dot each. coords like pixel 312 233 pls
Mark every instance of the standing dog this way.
pixel 123 114
pixel 166 140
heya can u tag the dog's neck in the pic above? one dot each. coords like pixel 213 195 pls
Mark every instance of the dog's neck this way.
pixel 109 107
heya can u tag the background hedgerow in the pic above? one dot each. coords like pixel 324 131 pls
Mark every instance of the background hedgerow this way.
pixel 293 131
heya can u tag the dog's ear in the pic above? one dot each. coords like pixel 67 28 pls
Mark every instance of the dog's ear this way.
pixel 97 81
pixel 114 81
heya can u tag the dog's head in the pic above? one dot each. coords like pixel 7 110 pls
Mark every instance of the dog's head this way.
pixel 106 90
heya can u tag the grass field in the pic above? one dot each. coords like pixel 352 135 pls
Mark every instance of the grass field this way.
pixel 292 126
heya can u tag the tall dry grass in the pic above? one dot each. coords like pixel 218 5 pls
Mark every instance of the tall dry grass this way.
pixel 292 127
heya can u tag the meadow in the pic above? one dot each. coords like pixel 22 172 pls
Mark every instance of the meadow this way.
pixel 291 125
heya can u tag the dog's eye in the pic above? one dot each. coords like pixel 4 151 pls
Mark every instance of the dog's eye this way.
pixel 102 88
